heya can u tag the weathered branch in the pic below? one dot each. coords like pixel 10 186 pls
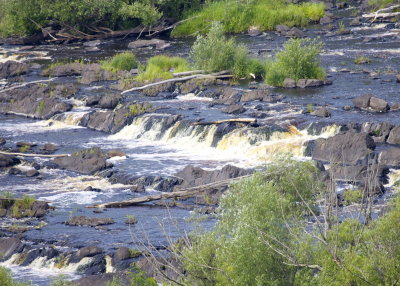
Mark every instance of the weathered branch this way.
pixel 33 155
pixel 27 83
pixel 179 194
pixel 221 74
pixel 235 120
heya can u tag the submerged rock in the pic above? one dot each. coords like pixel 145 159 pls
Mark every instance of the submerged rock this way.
pixel 8 161
pixel 153 43
pixel 234 109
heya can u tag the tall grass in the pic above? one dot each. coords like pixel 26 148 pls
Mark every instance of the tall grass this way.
pixel 162 67
pixel 238 16
pixel 123 61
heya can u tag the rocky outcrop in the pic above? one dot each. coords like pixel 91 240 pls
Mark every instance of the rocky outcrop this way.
pixel 305 83
pixel 88 221
pixel 195 176
pixel 9 246
pixel 321 112
pixel 87 161
pixel 8 161
pixel 349 148
pixel 370 103
pixel 12 68
pixel 34 101
pixel 153 43
pixel 20 208
pixel 390 157
pixel 394 136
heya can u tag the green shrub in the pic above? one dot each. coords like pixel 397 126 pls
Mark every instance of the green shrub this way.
pixel 238 16
pixel 121 62
pixel 298 60
pixel 362 60
pixel 162 67
pixel 214 52
pixel 240 249
pixel 353 196
pixel 6 279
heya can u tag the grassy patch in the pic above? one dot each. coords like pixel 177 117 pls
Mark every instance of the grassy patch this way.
pixel 362 60
pixel 137 109
pixel 377 4
pixel 120 62
pixel 238 16
pixel 298 60
pixel 162 67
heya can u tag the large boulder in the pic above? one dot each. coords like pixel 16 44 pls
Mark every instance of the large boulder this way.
pixel 394 136
pixel 390 157
pixel 195 176
pixel 87 161
pixel 12 68
pixel 9 246
pixel 371 103
pixel 34 101
pixel 349 148
pixel 153 43
pixel 109 101
pixel 321 112
pixel 8 161
pixel 88 221
pixel 362 101
pixel 70 69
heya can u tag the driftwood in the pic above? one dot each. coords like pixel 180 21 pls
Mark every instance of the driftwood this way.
pixel 188 192
pixel 188 73
pixel 222 74
pixel 380 13
pixel 235 120
pixel 27 83
pixel 33 155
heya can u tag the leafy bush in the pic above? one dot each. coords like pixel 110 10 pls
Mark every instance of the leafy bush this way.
pixel 362 60
pixel 162 67
pixel 254 219
pixel 298 60
pixel 6 279
pixel 238 16
pixel 214 52
pixel 22 17
pixel 123 61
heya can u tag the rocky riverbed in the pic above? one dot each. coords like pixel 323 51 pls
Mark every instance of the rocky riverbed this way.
pixel 179 136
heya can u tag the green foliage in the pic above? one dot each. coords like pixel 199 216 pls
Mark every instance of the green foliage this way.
pixel 60 281
pixel 238 16
pixel 22 17
pixel 298 60
pixel 256 209
pixel 138 277
pixel 137 109
pixel 378 4
pixel 131 219
pixel 310 108
pixel 353 196
pixel 41 107
pixel 120 62
pixel 214 52
pixel 6 279
pixel 162 67
pixel 24 148
pixel 22 207
pixel 362 60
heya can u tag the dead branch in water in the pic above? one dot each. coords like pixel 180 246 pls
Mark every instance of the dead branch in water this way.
pixel 235 120
pixel 27 83
pixel 188 192
pixel 33 155
pixel 380 14
pixel 222 74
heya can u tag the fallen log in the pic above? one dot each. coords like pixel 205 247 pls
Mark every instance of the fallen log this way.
pixel 380 14
pixel 33 155
pixel 214 75
pixel 235 120
pixel 27 83
pixel 188 192
pixel 188 73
